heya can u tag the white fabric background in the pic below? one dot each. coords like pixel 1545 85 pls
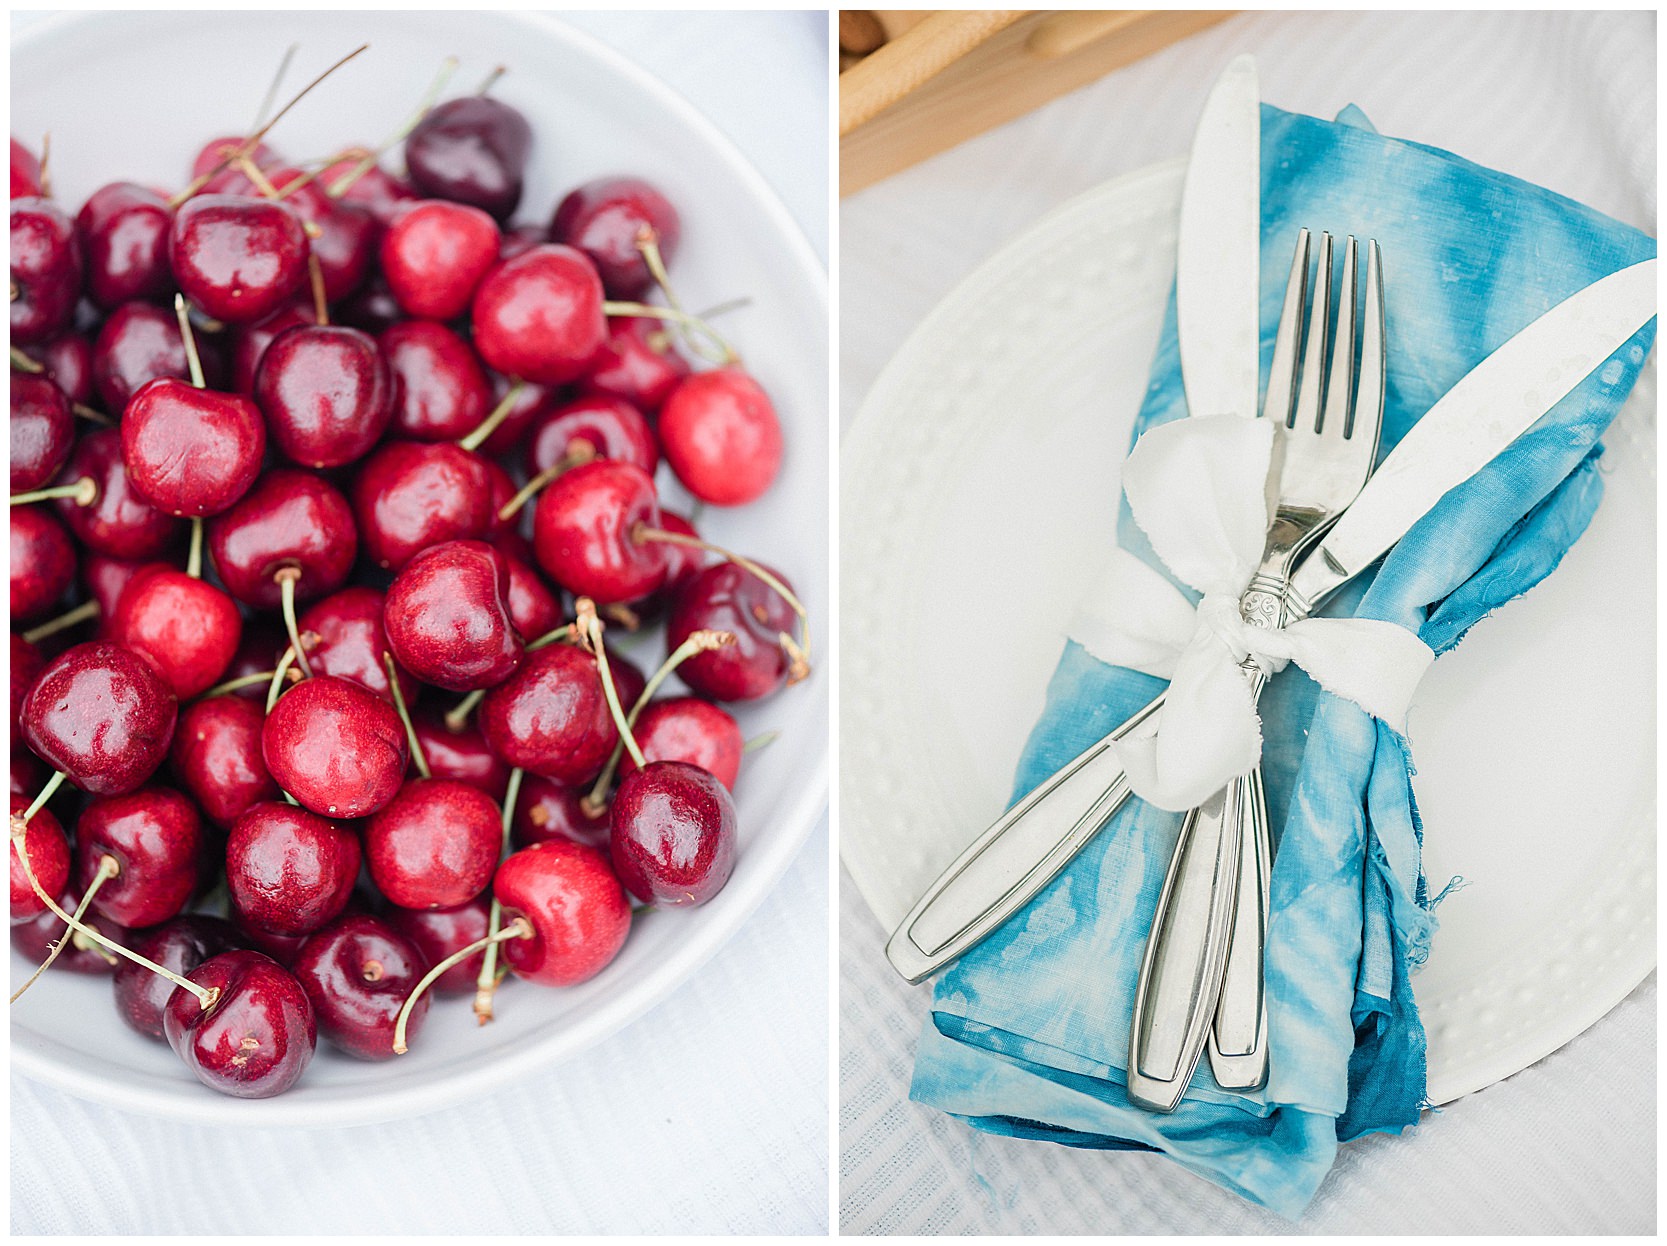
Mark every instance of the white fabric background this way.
pixel 708 1115
pixel 1567 100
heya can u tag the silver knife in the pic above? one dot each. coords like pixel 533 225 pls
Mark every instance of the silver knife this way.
pixel 1493 404
pixel 1217 307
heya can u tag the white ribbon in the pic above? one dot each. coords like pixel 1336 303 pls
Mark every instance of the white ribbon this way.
pixel 1198 489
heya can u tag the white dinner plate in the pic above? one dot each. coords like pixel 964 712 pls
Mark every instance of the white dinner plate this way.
pixel 980 479
pixel 131 96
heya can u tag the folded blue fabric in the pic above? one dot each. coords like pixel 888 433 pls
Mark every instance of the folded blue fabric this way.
pixel 1029 1032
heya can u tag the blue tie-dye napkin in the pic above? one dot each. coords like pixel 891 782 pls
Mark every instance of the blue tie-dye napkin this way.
pixel 1029 1032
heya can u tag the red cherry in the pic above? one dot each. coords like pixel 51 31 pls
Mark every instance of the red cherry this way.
pixel 472 150
pixel 118 522
pixel 410 495
pixel 437 933
pixel 290 518
pixel 344 636
pixel 289 871
pixel 521 238
pixel 156 838
pixel 216 756
pixel 36 938
pixel 539 315
pixel 551 810
pixel 346 238
pixel 357 972
pixel 256 1039
pixel 721 436
pixel 338 749
pixel 435 254
pixel 637 363
pixel 249 341
pixel 42 562
pixel 551 716
pixel 43 431
pixel 67 361
pixel 610 427
pixel 376 190
pixel 673 834
pixel 448 618
pixel 690 730
pixel 186 629
pixel 46 270
pixel 577 909
pixel 326 393
pixel 102 716
pixel 27 664
pixel 533 608
pixel 26 172
pixel 191 452
pixel 435 845
pixel 530 402
pixel 606 219
pixel 371 307
pixel 180 945
pixel 47 847
pixel 727 598
pixel 214 153
pixel 583 532
pixel 462 755
pixel 123 228
pixel 237 259
pixel 683 564
pixel 139 343
pixel 106 579
pixel 264 642
pixel 440 390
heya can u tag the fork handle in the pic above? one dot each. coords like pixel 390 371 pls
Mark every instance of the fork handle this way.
pixel 1238 1043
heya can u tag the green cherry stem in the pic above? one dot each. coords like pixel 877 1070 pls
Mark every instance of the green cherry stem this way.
pixel 405 715
pixel 593 628
pixel 46 793
pixel 486 985
pixel 722 356
pixel 287 578
pixel 246 681
pixel 86 610
pixel 23 363
pixel 194 560
pixel 107 869
pixel 190 339
pixel 84 491
pixel 278 676
pixel 581 452
pixel 520 928
pixel 499 414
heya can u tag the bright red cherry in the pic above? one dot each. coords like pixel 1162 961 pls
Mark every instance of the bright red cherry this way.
pixel 690 730
pixel 289 871
pixel 47 848
pixel 123 228
pixel 435 845
pixel 721 436
pixel 410 495
pixel 256 1039
pixel 191 452
pixel 106 579
pixel 438 933
pixel 101 715
pixel 606 219
pixel 435 254
pixel 187 629
pixel 448 617
pixel 728 598
pixel 584 532
pixel 673 834
pixel 46 270
pixel 344 636
pixel 42 562
pixel 611 428
pixel 216 757
pixel 138 343
pixel 539 315
pixel 180 945
pixel 471 150
pixel 156 837
pixel 238 259
pixel 27 664
pixel 577 909
pixel 43 431
pixel 551 717
pixel 118 523
pixel 290 518
pixel 326 394
pixel 440 390
pixel 357 972
pixel 249 341
pixel 338 749
pixel 533 608
pixel 637 363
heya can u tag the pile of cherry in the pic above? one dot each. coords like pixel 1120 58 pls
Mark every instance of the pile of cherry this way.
pixel 325 484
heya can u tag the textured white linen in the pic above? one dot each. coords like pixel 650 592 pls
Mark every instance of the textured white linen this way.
pixel 1564 99
pixel 707 1115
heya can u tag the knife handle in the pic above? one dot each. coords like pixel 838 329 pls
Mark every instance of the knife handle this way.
pixel 1004 868
pixel 1238 1043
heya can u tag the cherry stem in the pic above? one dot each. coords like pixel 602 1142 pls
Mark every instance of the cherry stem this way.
pixel 491 80
pixel 798 652
pixel 23 363
pixel 87 413
pixel 277 81
pixel 284 663
pixel 86 610
pixel 84 491
pixel 257 178
pixel 594 628
pixel 340 186
pixel 552 636
pixel 405 715
pixel 46 164
pixel 194 560
pixel 486 985
pixel 457 717
pixel 581 452
pixel 724 355
pixel 190 340
pixel 246 681
pixel 517 929
pixel 46 793
pixel 315 270
pixel 648 243
pixel 107 869
pixel 763 740
pixel 489 425
pixel 286 577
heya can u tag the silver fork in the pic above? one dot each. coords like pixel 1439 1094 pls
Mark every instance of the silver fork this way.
pixel 1202 973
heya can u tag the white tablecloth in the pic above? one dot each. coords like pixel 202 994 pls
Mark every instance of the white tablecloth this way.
pixel 708 1115
pixel 1567 100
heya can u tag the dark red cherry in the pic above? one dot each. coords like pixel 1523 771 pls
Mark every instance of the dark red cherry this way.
pixel 578 911
pixel 437 933
pixel 123 228
pixel 690 730
pixel 217 151
pixel 344 636
pixel 637 364
pixel 440 390
pixel 26 172
pixel 156 837
pixel 106 579
pixel 721 436
pixel 291 518
pixel 139 343
pixel 191 452
pixel 448 617
pixel 42 562
pixel 27 664
pixel 288 870
pixel 462 755
pixel 68 363
pixel 551 810
pixel 551 717
pixel 539 315
pixel 258 1036
pixel 357 972
pixel 727 598
pixel 187 629
pixel 372 307
pixel 237 259
pixel 410 495
pixel 102 715
pixel 326 394
pixel 471 150
pixel 346 237
pixel 281 948
pixel 119 523
pixel 606 219
pixel 435 254
pixel 533 608
pixel 610 427
pixel 530 402
pixel 47 848
pixel 216 757
pixel 43 431
pixel 249 341
pixel 673 834
pixel 180 945
pixel 435 845
pixel 46 270
pixel 583 532
pixel 683 564
pixel 264 642
pixel 338 749
pixel 376 190
pixel 35 939
pixel 520 238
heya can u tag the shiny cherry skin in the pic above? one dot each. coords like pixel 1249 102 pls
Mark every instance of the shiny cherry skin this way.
pixel 578 911
pixel 26 172
pixel 118 523
pixel 347 234
pixel 410 495
pixel 637 364
pixel 235 258
pixel 551 810
pixel 437 933
pixel 448 617
pixel 533 608
pixel 156 837
pixel 42 562
pixel 186 628
pixel 584 532
pixel 249 341
pixel 551 717
pixel 216 757
pixel 440 391
pixel 289 871
pixel 337 748
pixel 357 972
pixel 68 363
pixel 325 392
pixel 434 255
pixel 610 428
pixel 47 847
pixel 46 270
pixel 690 730
pixel 138 343
pixel 344 636
pixel 539 315
pixel 435 845
pixel 606 218
pixel 102 715
pixel 180 944
pixel 106 579
pixel 672 837
pixel 291 518
pixel 35 939
pixel 123 228
pixel 462 755
pixel 256 1039
pixel 43 431
pixel 719 432
pixel 191 452
pixel 727 598
pixel 471 150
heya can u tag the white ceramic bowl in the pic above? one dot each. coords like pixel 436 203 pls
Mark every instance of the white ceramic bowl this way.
pixel 131 96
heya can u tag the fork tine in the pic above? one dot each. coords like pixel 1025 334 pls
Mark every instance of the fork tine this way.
pixel 1307 415
pixel 1336 419
pixel 1282 372
pixel 1369 391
